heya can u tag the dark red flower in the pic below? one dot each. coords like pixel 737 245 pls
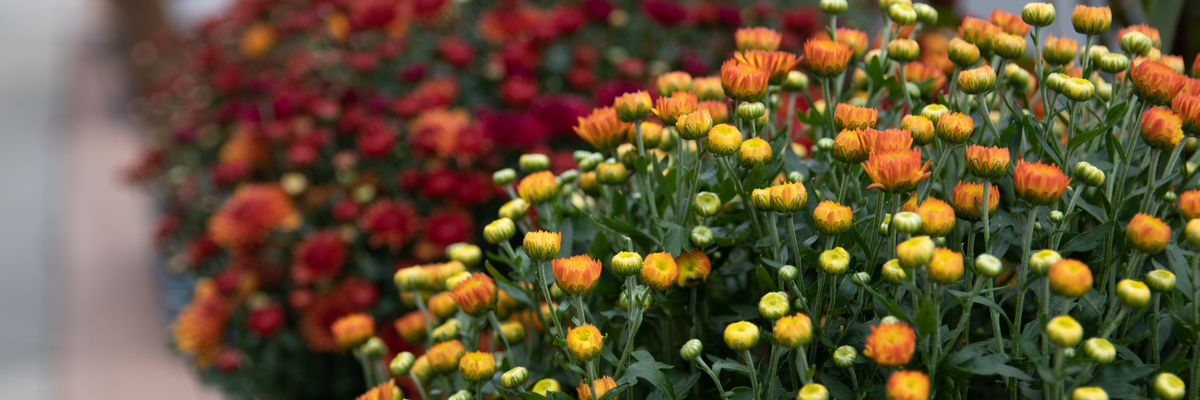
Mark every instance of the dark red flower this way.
pixel 345 210
pixel 201 248
pixel 598 9
pixel 665 12
pixel 389 222
pixel 376 140
pixel 318 256
pixel 512 128
pixel 265 320
pixel 560 112
pixel 456 51
pixel 439 184
pixel 448 227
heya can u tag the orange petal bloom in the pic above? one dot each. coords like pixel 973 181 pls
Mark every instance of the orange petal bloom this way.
pixel 538 188
pixel 694 267
pixel 777 64
pixel 1091 20
pixel 793 331
pixel 886 140
pixel 832 219
pixel 826 58
pixel 1010 23
pixel 602 129
pixel 444 356
pixel 1147 233
pixel 1060 50
pixel 891 345
pixel 937 217
pixel 1187 107
pixel 978 32
pixel 632 106
pixel 1161 128
pixel 385 391
pixel 603 385
pixel 1070 278
pixel 671 82
pixel 850 147
pixel 1156 82
pixel 708 89
pixel 987 162
pixel 199 328
pixel 659 270
pixel 744 81
pixel 928 77
pixel 896 171
pixel 476 295
pixel 946 266
pixel 1189 204
pixel 576 275
pixel 955 128
pixel 411 327
pixel 1145 29
pixel 1039 183
pixel 759 38
pixel 250 214
pixel 352 330
pixel 967 196
pixel 854 39
pixel 477 366
pixel 678 104
pixel 788 197
pixel 717 109
pixel 585 342
pixel 847 116
pixel 908 385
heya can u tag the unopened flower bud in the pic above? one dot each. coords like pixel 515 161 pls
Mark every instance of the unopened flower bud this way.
pixel 835 261
pixel 465 253
pixel 907 222
pixel 893 273
pixel 833 7
pixel 504 176
pixel 988 265
pixel 1089 393
pixel 402 364
pixel 1090 175
pixel 825 144
pixel 977 80
pixel 915 252
pixel 514 377
pixel 702 236
pixel 1168 386
pixel 724 140
pixel 1064 331
pixel 796 81
pixel 707 204
pixel 926 14
pixel 1009 47
pixel 1091 20
pixel 903 50
pixel 1191 232
pixel 691 350
pixel 1040 262
pixel 611 173
pixel 1078 89
pixel 1018 78
pixel 934 112
pixel 861 278
pixel 374 347
pixel 1169 197
pixel 1099 350
pixel 590 162
pixel 1160 280
pixel 568 176
pixel 902 14
pixel 1136 43
pixel 499 230
pixel 813 391
pixel 579 155
pixel 788 273
pixel 1113 63
pixel 627 263
pixel 632 107
pixel 1056 81
pixel 962 53
pixel 773 306
pixel 754 151
pixel 531 163
pixel 883 229
pixel 514 209
pixel 1057 216
pixel 461 395
pixel 891 319
pixel 447 331
pixel 1133 293
pixel 748 110
pixel 795 176
pixel 844 356
pixel 1038 14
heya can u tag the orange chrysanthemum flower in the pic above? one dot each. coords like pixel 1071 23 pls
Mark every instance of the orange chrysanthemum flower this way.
pixel 659 270
pixel 854 39
pixel 832 219
pixel 718 110
pixel 385 391
pixel 411 327
pixel 585 342
pixel 946 266
pixel 979 33
pixel 847 116
pixel 250 214
pixel 1070 278
pixel 476 295
pixel 389 222
pixel 744 81
pixel 1091 20
pixel 850 147
pixel 967 196
pixel 1161 128
pixel 1059 50
pixel 928 77
pixel 1156 82
pixel 440 129
pixel 1188 108
pixel 1147 233
pixel 694 267
pixel 199 328
pixel 908 385
pixel 987 162
pixel 477 366
pixel 937 217
pixel 445 356
pixel 876 141
pixel 776 64
pixel 671 82
pixel 602 129
pixel 826 58
pixel 1010 23
pixel 353 330
pixel 1189 204
pixel 765 39
pixel 896 171
pixel 678 104
pixel 257 40
pixel 576 275
pixel 603 385
pixel 1039 183
pixel 891 345
pixel 538 187
pixel 955 127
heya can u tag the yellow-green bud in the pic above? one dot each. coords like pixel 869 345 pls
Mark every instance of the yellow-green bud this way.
pixel 1056 216
pixel 1137 43
pixel 691 350
pixel 724 140
pixel 531 163
pixel 1078 89
pixel 579 155
pixel 915 252
pixel 590 162
pixel 512 331
pixel 833 7
pixel 835 261
pixel 1169 197
pixel 747 110
pixel 1040 262
pixel 623 302
pixel 1018 78
pixel 556 292
pixel 893 273
pixel 499 230
pixel 788 273
pixel 694 125
pixel 844 356
pixel 1191 232
pixel 1099 350
pixel 374 347
pixel 903 50
pixel 1133 293
pixel 977 80
pixel 795 176
pixel 813 391
pixel 461 395
pixel 926 14
pixel 504 176
pixel 1009 47
pixel 626 154
pixel 1056 81
pixel 546 385
pixel 1160 280
pixel 514 209
pixel 293 183
pixel 1113 63
pixel 702 236
pixel 402 364
pixel 962 53
pixel 568 176
pixel 934 112
pixel 1103 91
pixel 883 229
pixel 1097 53
pixel 707 204
pixel 1038 14
pixel 1089 393
pixel 988 265
pixel 514 377
pixel 1089 174
pixel 907 222
pixel 773 306
pixel 1064 331
pixel 611 173
pixel 861 278
pixel 465 253
pixel 447 331
pixel 795 82
pixel 1168 386
pixel 902 14
pixel 627 263
pixel 825 144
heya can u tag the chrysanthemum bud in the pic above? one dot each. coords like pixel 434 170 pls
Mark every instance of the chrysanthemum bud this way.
pixel 907 222
pixel 1009 47
pixel 447 331
pixel 402 364
pixel 499 230
pixel 926 14
pixel 531 163
pixel 835 261
pixel 468 254
pixel 691 350
pixel 504 176
pixel 955 128
pixel 1040 262
pixel 589 163
pixel 1099 350
pixel 633 106
pixel 915 252
pixel 1113 63
pixel 724 140
pixel 813 391
pixel 1169 197
pixel 902 14
pixel 1056 81
pixel 1147 233
pixel 1056 216
pixel 694 125
pixel 1091 20
pixel 1064 331
pixel 707 204
pixel 1018 78
pixel 627 263
pixel 883 229
pixel 741 335
pixel 546 385
pixel 1133 293
pixel 893 273
pixel 903 50
pixel 1136 43
pixel 962 53
pixel 921 128
pixel 1160 280
pixel 934 112
pixel 988 265
pixel 833 7
pixel 773 305
pixel 844 356
pixel 1089 393
pixel 861 278
pixel 611 173
pixel 461 395
pixel 702 236
pixel 796 81
pixel 794 331
pixel 1090 175
pixel 514 377
pixel 1168 386
pixel 761 198
pixel 788 273
pixel 754 151
pixel 1078 89
pixel 1038 14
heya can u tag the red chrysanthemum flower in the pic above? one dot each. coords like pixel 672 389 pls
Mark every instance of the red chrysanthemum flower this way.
pixel 319 256
pixel 389 222
pixel 245 220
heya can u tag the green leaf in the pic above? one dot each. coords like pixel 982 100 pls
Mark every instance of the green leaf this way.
pixel 993 365
pixel 764 278
pixel 623 228
pixel 1088 240
pixel 675 238
pixel 927 319
pixel 649 370
pixel 837 389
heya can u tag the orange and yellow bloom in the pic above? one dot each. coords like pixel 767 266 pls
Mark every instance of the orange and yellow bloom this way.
pixel 678 104
pixel 946 267
pixel 967 198
pixel 603 129
pixel 659 270
pixel 741 335
pixel 1039 183
pixel 444 357
pixel 955 128
pixel 576 275
pixel 1147 233
pixel 847 116
pixel 776 64
pixel 539 187
pixel 765 39
pixel 744 81
pixel 826 58
pixel 896 171
pixel 987 162
pixel 353 330
pixel 832 219
pixel 694 267
pixel 476 295
pixel 477 366
pixel 937 217
pixel 1187 106
pixel 908 385
pixel 602 385
pixel 1161 128
pixel 849 147
pixel 1156 82
pixel 793 331
pixel 891 344
pixel 1091 20
pixel 542 245
pixel 585 342
pixel 1070 278
pixel 1189 204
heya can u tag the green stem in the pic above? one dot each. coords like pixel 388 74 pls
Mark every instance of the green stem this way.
pixel 591 373
pixel 499 332
pixel 558 332
pixel 424 313
pixel 928 184
pixel 1044 312
pixel 772 370
pixel 1022 275
pixel 1148 197
pixel 1152 354
pixel 417 382
pixel 635 310
pixel 716 380
pixel 637 127
pixel 774 229
pixel 791 227
pixel 904 88
pixel 753 373
pixel 802 356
